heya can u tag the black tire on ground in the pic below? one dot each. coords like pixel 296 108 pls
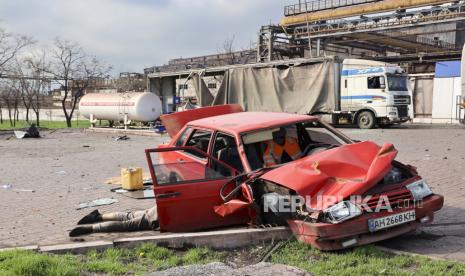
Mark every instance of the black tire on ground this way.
pixel 366 120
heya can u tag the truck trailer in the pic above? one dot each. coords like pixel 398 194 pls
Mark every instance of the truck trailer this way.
pixel 342 91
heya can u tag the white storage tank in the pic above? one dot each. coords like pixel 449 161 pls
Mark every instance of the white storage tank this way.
pixel 141 107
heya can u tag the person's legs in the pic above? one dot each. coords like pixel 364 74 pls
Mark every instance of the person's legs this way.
pixel 140 223
pixel 118 222
pixel 122 216
pixel 96 216
pixel 135 224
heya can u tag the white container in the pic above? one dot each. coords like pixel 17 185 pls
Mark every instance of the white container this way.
pixel 141 107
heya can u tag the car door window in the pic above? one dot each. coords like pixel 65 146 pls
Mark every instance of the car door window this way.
pixel 182 139
pixel 199 139
pixel 225 150
pixel 168 169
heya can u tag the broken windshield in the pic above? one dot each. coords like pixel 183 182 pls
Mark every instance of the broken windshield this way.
pixel 282 144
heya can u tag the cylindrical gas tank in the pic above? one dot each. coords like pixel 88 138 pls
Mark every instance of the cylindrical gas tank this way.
pixel 141 107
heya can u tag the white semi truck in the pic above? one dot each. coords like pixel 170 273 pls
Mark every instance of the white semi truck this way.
pixel 372 93
pixel 349 91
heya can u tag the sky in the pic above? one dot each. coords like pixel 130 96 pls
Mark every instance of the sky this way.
pixel 135 34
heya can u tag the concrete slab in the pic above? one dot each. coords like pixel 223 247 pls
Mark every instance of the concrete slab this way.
pixel 220 239
pixel 119 131
pixel 30 247
pixel 76 248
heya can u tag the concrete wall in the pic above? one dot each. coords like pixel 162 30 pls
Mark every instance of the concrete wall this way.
pixel 48 114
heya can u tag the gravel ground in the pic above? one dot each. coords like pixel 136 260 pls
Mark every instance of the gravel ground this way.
pixel 223 269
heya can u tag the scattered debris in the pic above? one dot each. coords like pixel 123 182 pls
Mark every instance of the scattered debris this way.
pixel 140 194
pixel 24 190
pixel 159 128
pixel 10 187
pixel 32 132
pixel 116 180
pixel 132 179
pixel 122 138
pixel 96 202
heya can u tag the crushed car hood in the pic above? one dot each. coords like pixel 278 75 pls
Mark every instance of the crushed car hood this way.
pixel 335 174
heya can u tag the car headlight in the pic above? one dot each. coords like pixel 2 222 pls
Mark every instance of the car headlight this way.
pixel 342 211
pixel 419 189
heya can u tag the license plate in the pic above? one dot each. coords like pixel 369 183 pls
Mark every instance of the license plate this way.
pixel 390 221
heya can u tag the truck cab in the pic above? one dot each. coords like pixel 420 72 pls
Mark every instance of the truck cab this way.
pixel 374 93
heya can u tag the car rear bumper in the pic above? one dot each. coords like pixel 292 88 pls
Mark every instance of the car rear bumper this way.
pixel 354 232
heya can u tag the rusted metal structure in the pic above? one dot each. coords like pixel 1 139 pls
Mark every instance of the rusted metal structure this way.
pixel 413 31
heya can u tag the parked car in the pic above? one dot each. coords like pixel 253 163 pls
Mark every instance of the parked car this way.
pixel 335 193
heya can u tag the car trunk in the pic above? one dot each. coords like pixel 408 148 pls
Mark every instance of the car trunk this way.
pixel 175 122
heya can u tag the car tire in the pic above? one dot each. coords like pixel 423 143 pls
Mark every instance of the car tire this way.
pixel 366 120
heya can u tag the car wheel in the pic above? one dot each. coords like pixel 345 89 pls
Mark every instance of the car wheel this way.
pixel 366 120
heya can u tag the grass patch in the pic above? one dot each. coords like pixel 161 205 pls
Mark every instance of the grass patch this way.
pixel 45 124
pixel 113 261
pixel 366 260
pixel 20 262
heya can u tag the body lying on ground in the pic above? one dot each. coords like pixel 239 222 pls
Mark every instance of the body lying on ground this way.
pixel 95 222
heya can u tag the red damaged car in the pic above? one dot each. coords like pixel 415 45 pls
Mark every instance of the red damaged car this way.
pixel 227 167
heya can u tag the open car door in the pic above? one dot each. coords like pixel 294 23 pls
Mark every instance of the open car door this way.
pixel 187 190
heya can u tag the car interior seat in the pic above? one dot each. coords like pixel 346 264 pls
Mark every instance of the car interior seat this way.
pixel 230 155
pixel 202 144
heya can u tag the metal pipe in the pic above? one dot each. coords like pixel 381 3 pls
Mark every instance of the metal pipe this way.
pixel 378 7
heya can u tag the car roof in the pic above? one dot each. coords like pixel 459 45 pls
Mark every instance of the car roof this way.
pixel 248 121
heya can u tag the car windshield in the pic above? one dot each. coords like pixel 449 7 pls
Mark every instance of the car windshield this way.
pixel 286 143
pixel 397 83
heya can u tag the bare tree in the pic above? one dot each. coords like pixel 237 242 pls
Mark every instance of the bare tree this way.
pixel 34 87
pixel 227 49
pixel 131 82
pixel 21 85
pixel 1 111
pixel 39 85
pixel 10 46
pixel 90 72
pixel 74 71
pixel 10 96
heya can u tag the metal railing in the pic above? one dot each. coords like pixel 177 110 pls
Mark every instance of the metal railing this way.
pixel 319 5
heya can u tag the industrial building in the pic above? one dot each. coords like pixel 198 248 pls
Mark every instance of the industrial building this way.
pixel 422 36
